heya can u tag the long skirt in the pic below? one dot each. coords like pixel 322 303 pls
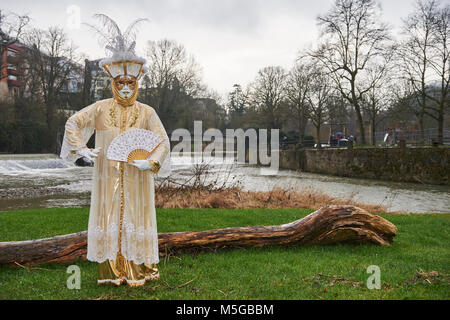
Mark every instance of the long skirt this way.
pixel 123 271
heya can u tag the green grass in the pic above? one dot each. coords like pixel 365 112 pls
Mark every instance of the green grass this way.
pixel 254 273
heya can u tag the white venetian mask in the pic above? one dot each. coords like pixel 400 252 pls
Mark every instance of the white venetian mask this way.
pixel 125 86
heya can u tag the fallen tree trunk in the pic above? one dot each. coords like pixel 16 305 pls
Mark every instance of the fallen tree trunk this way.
pixel 328 225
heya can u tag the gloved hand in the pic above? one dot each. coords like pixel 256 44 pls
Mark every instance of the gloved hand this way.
pixel 89 154
pixel 146 165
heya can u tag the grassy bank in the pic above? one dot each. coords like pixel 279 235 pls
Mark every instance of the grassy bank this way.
pixel 416 266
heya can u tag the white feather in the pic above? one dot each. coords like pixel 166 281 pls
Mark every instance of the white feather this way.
pixel 119 45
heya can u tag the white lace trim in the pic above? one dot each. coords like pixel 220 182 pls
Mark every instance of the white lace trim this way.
pixel 115 281
pixel 119 280
pixel 103 245
pixel 139 246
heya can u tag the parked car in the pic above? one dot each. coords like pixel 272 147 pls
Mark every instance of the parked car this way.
pixel 343 142
pixel 323 145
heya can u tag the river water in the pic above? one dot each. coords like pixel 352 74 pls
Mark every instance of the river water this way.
pixel 44 180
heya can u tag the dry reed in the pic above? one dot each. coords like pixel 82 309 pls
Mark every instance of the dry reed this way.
pixel 206 189
pixel 236 198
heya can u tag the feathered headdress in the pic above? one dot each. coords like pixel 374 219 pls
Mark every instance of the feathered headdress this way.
pixel 122 59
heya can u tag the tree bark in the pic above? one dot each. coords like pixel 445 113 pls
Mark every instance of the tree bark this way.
pixel 361 125
pixel 372 129
pixel 319 145
pixel 441 124
pixel 328 225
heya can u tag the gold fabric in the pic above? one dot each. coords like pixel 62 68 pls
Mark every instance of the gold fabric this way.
pixel 122 216
pixel 122 271
pixel 155 165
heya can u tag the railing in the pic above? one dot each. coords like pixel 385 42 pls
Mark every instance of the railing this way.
pixel 12 71
pixel 15 83
pixel 12 59
pixel 411 138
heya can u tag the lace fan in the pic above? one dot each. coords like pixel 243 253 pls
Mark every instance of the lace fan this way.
pixel 134 144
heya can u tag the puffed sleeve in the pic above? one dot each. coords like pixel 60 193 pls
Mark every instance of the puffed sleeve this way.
pixel 78 129
pixel 162 153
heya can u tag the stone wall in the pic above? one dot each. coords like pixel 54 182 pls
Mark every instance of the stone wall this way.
pixel 421 165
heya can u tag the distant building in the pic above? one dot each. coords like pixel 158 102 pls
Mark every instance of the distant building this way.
pixel 14 66
pixel 97 81
pixel 11 82
pixel 74 79
pixel 71 90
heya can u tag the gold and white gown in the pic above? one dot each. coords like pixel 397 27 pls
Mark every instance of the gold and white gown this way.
pixel 122 231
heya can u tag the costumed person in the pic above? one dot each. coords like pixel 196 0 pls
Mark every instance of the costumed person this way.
pixel 122 231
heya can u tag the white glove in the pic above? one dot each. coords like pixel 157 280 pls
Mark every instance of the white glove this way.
pixel 144 165
pixel 89 154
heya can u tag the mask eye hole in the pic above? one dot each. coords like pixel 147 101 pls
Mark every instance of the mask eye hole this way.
pixel 121 82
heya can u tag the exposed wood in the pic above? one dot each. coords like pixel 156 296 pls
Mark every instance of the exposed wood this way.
pixel 328 225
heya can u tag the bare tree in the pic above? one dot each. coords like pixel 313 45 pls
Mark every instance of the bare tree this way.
pixel 211 111
pixel 169 62
pixel 353 37
pixel 441 66
pixel 319 100
pixel 297 89
pixel 11 31
pixel 425 59
pixel 379 81
pixel 172 74
pixel 403 97
pixel 376 101
pixel 50 59
pixel 237 101
pixel 267 95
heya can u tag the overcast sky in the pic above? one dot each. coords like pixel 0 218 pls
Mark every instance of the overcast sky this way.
pixel 230 39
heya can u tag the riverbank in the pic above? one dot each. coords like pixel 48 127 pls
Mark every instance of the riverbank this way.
pixel 424 165
pixel 44 181
pixel 236 198
pixel 414 267
pixel 224 198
